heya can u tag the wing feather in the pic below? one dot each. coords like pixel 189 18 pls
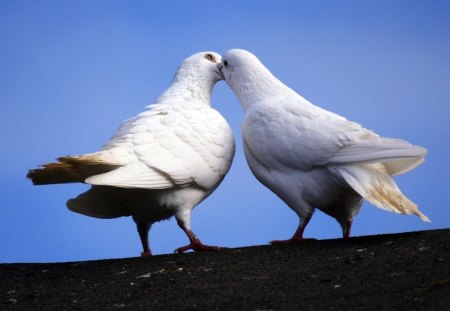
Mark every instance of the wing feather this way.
pixel 302 139
pixel 167 149
pixel 397 155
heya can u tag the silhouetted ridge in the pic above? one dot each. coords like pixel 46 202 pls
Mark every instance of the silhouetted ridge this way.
pixel 407 271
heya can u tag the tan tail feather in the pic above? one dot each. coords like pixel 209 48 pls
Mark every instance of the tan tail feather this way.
pixel 391 196
pixel 69 170
pixel 87 159
pixel 373 183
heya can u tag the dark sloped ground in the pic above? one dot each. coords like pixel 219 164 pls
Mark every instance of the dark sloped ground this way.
pixel 408 271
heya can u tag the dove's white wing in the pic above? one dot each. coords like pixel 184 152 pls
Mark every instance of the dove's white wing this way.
pixel 171 147
pixel 288 136
pixel 305 138
pixel 397 155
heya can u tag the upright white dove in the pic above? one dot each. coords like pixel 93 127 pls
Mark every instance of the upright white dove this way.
pixel 310 157
pixel 160 163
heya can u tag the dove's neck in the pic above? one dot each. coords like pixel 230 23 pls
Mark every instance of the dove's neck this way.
pixel 259 87
pixel 189 85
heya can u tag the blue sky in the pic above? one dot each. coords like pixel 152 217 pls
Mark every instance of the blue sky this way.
pixel 72 71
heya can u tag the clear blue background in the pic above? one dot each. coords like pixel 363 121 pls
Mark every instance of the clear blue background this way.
pixel 72 71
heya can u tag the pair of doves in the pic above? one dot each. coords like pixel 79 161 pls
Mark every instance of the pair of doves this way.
pixel 166 160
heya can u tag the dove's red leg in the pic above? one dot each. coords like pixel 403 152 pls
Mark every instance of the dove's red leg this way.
pixel 143 230
pixel 347 228
pixel 298 235
pixel 195 245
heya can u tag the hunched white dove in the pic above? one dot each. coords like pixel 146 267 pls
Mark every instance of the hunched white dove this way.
pixel 313 158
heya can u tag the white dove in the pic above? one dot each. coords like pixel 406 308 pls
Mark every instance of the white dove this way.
pixel 310 157
pixel 160 163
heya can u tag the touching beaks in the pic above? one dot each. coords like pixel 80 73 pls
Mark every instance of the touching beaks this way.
pixel 219 67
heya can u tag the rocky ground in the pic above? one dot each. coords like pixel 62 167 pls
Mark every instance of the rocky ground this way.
pixel 408 271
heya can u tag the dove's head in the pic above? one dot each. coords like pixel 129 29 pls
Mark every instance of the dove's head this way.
pixel 202 65
pixel 248 77
pixel 195 77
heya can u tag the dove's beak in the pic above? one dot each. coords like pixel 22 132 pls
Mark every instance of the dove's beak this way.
pixel 219 71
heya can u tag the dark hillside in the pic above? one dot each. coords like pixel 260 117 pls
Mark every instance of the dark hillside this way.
pixel 408 271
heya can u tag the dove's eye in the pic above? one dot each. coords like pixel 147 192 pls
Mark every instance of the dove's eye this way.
pixel 225 63
pixel 210 57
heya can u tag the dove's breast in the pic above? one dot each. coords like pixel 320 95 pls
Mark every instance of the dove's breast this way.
pixel 216 140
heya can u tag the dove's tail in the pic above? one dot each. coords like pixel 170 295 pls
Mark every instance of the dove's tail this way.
pixel 100 202
pixel 372 182
pixel 70 169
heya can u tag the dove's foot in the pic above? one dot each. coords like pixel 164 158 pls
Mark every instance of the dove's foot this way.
pixel 195 244
pixel 297 238
pixel 146 254
pixel 198 247
pixel 290 241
